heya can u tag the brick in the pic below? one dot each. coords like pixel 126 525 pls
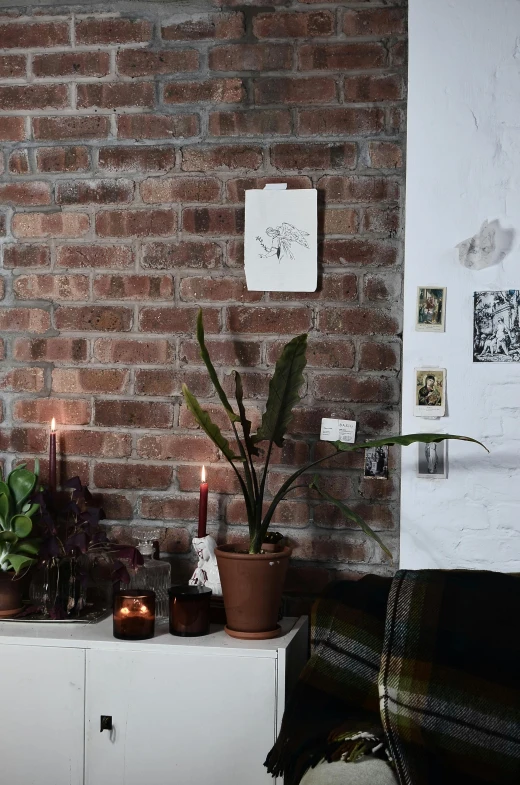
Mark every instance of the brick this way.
pixel 358 252
pixel 71 64
pixel 52 287
pixel 396 120
pixel 48 96
pixel 95 444
pixel 223 352
pixel 12 129
pixel 116 507
pixel 374 87
pixel 23 380
pixel 309 90
pixel 2 295
pixel 337 189
pixel 213 220
pixel 222 158
pixel 399 53
pixel 251 57
pixel 313 156
pixel 197 289
pixel 66 469
pixel 374 22
pixel 378 422
pixel 65 411
pixel 288 513
pixel 252 122
pixel 287 321
pixel 70 192
pixel 377 491
pixel 96 256
pixel 25 194
pixel 200 27
pixel 133 287
pixel 31 440
pixel 378 516
pixel 358 321
pixel 339 220
pixel 32 320
pixel 31 35
pixel 180 189
pixel 177 447
pixel 161 382
pixel 236 188
pixel 150 126
pixel 50 225
pixel 135 223
pixel 356 389
pixel 222 91
pixel 102 318
pixel 137 159
pixel 321 353
pixel 221 479
pixel 176 320
pixel 379 356
pixel 19 162
pixel 50 349
pixel 218 416
pixel 342 120
pixel 26 256
pixel 140 62
pixel 114 95
pixel 127 475
pixel 132 352
pixel 74 127
pixel 378 288
pixel 255 384
pixel 62 159
pixel 3 225
pixel 341 56
pixel 385 155
pixel 113 30
pixel 12 66
pixel 384 220
pixel 167 508
pixel 133 414
pixel 193 255
pixel 290 24
pixel 89 380
pixel 308 420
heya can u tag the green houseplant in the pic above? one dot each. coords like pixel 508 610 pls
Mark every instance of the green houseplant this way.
pixel 252 476
pixel 18 551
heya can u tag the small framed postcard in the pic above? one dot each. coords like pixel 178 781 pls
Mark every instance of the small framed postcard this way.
pixel 430 392
pixel 430 314
pixel 376 462
pixel 432 460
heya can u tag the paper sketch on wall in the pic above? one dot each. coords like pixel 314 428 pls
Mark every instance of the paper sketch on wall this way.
pixel 432 461
pixel 280 246
pixel 430 392
pixel 496 327
pixel 487 248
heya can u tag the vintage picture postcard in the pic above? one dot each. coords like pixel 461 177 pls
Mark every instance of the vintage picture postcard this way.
pixel 430 392
pixel 376 463
pixel 496 327
pixel 430 315
pixel 432 461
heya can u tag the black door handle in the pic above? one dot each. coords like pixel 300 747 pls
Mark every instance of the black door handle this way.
pixel 105 722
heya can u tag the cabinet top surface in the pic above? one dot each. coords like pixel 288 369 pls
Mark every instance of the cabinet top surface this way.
pixel 99 636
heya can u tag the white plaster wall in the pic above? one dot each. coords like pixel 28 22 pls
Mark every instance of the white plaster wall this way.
pixel 463 167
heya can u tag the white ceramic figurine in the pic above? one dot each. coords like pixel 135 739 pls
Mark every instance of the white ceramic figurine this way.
pixel 206 572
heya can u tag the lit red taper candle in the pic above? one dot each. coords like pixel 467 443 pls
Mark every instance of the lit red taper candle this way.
pixel 203 504
pixel 52 457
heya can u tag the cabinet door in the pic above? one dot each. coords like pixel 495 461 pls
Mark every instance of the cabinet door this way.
pixel 186 719
pixel 42 710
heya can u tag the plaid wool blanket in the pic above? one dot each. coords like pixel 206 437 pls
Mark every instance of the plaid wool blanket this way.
pixel 442 677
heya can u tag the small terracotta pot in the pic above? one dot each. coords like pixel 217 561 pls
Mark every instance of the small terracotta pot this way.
pixel 10 594
pixel 252 586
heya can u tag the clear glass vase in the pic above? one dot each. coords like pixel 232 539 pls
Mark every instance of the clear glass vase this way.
pixel 72 587
pixel 154 574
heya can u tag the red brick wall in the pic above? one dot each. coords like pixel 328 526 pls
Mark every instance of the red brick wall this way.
pixel 127 145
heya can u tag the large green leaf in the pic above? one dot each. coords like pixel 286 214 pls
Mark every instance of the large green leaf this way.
pixel 405 441
pixel 284 390
pixel 22 525
pixel 246 424
pixel 4 511
pixel 206 423
pixel 21 484
pixel 30 509
pixel 211 370
pixel 350 515
pixel 29 547
pixel 19 561
pixel 9 537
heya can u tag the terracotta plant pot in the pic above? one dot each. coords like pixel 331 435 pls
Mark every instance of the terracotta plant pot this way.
pixel 252 586
pixel 10 594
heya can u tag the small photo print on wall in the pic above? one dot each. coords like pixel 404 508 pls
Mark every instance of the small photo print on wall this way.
pixel 280 240
pixel 432 461
pixel 430 392
pixel 431 309
pixel 496 327
pixel 376 462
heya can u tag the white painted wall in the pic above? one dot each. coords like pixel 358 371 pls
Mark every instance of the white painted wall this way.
pixel 463 167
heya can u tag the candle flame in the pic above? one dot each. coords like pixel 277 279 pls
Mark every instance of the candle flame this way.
pixel 53 424
pixel 125 611
pixel 203 474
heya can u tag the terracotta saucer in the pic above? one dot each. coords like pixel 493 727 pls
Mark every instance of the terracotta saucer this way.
pixel 254 636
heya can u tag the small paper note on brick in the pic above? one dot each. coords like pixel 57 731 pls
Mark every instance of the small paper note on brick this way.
pixel 338 430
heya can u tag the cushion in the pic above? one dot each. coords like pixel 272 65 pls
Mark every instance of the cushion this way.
pixel 365 772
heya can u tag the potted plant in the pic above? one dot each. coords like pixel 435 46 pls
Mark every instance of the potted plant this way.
pixel 18 550
pixel 252 579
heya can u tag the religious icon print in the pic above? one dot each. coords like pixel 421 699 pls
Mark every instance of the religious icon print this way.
pixel 431 309
pixel 496 327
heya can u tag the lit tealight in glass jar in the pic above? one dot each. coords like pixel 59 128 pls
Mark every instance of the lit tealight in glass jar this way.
pixel 134 614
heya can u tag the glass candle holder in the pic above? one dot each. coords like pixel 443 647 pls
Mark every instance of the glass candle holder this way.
pixel 189 610
pixel 134 614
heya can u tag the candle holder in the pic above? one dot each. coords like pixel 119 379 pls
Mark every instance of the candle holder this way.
pixel 134 614
pixel 189 610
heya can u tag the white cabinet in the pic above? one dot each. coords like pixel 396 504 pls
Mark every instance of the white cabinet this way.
pixel 200 711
